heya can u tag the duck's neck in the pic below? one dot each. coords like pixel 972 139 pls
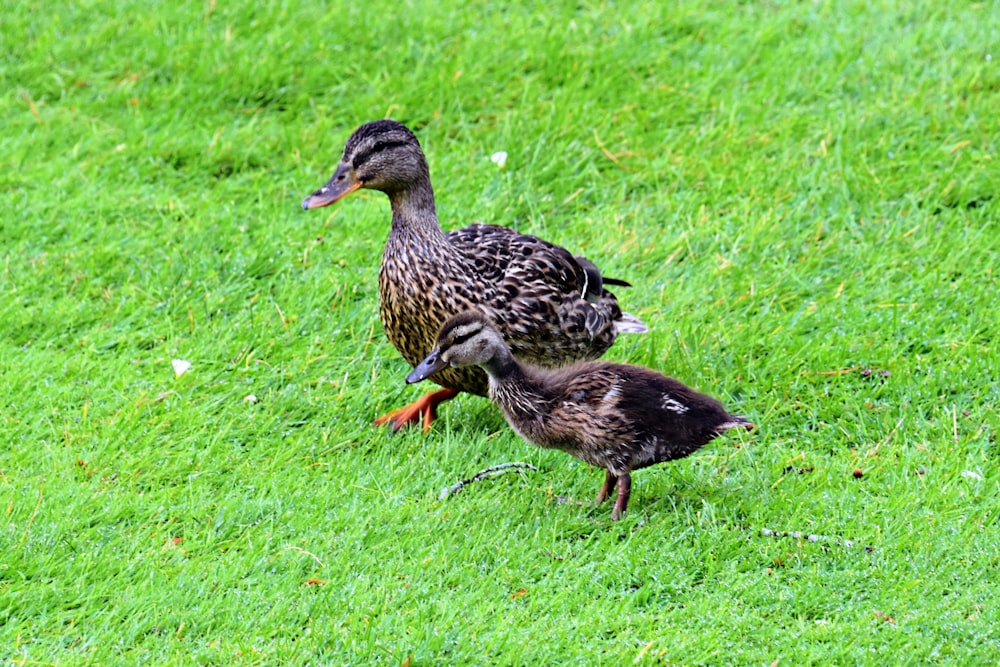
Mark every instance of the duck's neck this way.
pixel 514 386
pixel 503 367
pixel 511 376
pixel 413 209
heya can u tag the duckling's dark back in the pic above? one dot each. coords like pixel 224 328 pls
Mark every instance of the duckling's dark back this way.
pixel 628 417
pixel 673 418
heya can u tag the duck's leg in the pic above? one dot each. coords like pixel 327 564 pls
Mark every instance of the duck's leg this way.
pixel 609 481
pixel 424 410
pixel 621 502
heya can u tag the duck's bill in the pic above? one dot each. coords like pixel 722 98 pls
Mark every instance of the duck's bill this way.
pixel 426 368
pixel 341 184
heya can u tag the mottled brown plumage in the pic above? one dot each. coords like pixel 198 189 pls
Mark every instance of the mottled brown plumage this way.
pixel 617 417
pixel 550 306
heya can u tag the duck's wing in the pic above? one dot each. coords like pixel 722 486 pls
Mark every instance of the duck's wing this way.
pixel 543 299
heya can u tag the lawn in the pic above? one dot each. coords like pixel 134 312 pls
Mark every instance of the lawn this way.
pixel 804 195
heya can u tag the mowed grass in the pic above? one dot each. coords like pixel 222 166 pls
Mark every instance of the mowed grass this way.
pixel 803 194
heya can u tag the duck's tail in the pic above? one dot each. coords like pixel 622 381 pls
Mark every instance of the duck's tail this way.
pixel 629 323
pixel 736 421
pixel 618 282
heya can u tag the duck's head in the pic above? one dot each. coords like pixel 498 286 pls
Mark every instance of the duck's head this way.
pixel 467 339
pixel 381 155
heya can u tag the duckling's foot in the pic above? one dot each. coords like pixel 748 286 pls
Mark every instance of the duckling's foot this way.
pixel 621 502
pixel 609 482
pixel 424 409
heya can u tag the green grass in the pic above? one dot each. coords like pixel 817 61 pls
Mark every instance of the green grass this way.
pixel 801 193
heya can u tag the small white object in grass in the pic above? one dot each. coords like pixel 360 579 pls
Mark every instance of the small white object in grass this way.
pixel 972 474
pixel 250 398
pixel 180 366
pixel 499 158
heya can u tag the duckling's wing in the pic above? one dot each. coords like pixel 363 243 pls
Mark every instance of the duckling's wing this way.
pixel 592 385
pixel 671 416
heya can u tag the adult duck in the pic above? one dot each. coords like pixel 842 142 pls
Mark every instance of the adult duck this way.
pixel 550 307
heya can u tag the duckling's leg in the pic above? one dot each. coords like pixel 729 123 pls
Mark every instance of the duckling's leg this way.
pixel 609 481
pixel 624 491
pixel 424 409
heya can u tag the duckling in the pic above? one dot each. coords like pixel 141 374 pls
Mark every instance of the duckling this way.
pixel 613 416
pixel 550 307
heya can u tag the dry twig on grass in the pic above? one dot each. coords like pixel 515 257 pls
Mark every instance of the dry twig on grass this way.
pixel 798 535
pixel 485 474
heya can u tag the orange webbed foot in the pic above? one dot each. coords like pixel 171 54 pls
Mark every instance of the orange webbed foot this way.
pixel 423 410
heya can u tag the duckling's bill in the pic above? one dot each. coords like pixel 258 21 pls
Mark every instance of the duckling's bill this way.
pixel 426 368
pixel 342 183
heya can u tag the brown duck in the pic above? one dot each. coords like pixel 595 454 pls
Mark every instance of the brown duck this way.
pixel 617 417
pixel 550 307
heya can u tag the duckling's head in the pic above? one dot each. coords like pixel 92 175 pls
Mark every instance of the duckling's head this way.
pixel 380 155
pixel 467 339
